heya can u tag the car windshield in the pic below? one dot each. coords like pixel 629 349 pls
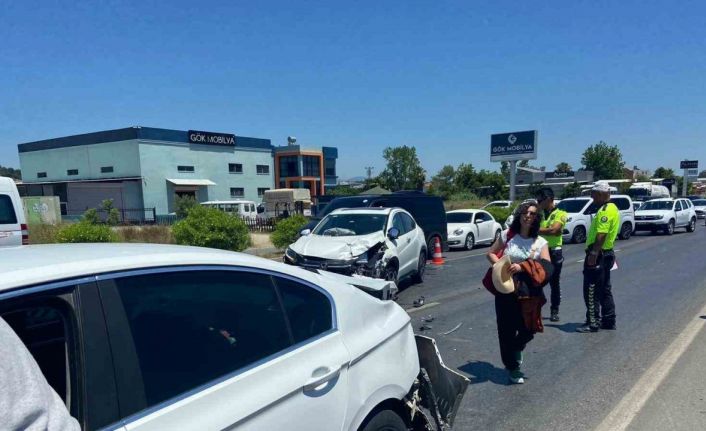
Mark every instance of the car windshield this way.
pixel 657 205
pixel 458 217
pixel 350 224
pixel 573 205
pixel 699 202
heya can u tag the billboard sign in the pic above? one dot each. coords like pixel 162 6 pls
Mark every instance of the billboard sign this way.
pixel 513 146
pixel 210 138
pixel 689 164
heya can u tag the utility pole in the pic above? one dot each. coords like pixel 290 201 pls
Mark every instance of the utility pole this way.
pixel 369 170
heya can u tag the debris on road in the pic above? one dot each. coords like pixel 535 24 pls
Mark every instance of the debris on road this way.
pixel 425 328
pixel 418 302
pixel 428 319
pixel 454 329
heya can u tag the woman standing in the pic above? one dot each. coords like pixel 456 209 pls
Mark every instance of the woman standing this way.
pixel 519 243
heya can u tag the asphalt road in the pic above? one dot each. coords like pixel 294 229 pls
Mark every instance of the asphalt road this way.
pixel 575 381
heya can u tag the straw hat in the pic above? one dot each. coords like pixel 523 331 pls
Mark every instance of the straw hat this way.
pixel 502 279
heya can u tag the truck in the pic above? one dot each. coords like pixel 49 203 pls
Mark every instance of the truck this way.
pixel 285 202
pixel 645 191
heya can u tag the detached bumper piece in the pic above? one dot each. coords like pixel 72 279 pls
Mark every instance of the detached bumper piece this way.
pixel 439 390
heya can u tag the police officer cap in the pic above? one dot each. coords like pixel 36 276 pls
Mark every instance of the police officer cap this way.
pixel 601 187
pixel 544 193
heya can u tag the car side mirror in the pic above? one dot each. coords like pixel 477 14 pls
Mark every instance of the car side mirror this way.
pixel 305 232
pixel 393 233
pixel 478 221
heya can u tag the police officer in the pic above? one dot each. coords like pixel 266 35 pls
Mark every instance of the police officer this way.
pixel 551 227
pixel 599 260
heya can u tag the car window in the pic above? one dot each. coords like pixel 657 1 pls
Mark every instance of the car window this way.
pixel 409 224
pixel 398 223
pixel 622 203
pixel 459 217
pixel 572 206
pixel 657 205
pixel 191 327
pixel 483 217
pixel 309 311
pixel 7 210
pixel 677 206
pixel 350 224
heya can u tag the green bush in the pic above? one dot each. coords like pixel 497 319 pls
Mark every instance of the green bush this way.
pixel 112 214
pixel 500 214
pixel 183 205
pixel 90 216
pixel 85 232
pixel 287 230
pixel 209 227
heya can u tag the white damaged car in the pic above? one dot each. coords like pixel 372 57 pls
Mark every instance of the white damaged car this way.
pixel 374 242
pixel 148 337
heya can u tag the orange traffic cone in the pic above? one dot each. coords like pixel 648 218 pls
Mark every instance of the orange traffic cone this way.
pixel 437 259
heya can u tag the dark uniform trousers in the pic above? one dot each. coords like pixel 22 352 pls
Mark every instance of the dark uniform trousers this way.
pixel 597 292
pixel 512 333
pixel 557 258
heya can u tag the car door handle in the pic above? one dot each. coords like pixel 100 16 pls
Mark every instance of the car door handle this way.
pixel 320 376
pixel 409 240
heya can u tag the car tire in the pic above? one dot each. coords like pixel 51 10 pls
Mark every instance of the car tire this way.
pixel 431 245
pixel 421 268
pixel 669 230
pixel 625 231
pixel 691 226
pixel 384 420
pixel 470 242
pixel 392 272
pixel 579 235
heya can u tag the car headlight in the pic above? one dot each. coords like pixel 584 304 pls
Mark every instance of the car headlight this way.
pixel 458 231
pixel 291 254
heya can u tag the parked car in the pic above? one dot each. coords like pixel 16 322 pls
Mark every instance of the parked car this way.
pixel 466 228
pixel 700 207
pixel 580 212
pixel 285 202
pixel 427 210
pixel 157 337
pixel 497 204
pixel 636 205
pixel 13 226
pixel 238 207
pixel 665 215
pixel 375 242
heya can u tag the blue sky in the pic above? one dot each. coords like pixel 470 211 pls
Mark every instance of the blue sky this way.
pixel 438 75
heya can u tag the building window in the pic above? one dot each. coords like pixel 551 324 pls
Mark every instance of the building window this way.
pixel 261 191
pixel 237 192
pixel 185 168
pixel 288 166
pixel 263 169
pixel 41 174
pixel 311 166
pixel 235 168
pixel 106 169
pixel 72 172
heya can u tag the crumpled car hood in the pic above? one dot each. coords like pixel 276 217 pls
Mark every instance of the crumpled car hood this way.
pixel 336 247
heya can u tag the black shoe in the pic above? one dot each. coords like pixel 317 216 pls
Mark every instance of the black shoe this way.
pixel 554 316
pixel 584 329
pixel 610 327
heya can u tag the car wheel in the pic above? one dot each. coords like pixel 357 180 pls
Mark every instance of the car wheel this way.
pixel 431 246
pixel 670 228
pixel 421 267
pixel 579 235
pixel 691 226
pixel 384 420
pixel 391 272
pixel 625 231
pixel 470 242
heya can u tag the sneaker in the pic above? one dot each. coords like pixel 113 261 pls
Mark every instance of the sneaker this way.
pixel 586 328
pixel 516 377
pixel 554 316
pixel 518 358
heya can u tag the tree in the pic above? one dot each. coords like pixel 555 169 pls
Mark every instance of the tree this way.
pixel 604 160
pixel 563 167
pixel 491 185
pixel 662 172
pixel 442 184
pixel 342 191
pixel 505 170
pixel 465 178
pixel 571 191
pixel 10 172
pixel 403 170
pixel 702 174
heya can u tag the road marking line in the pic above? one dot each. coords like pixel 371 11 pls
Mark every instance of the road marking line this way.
pixel 632 403
pixel 423 307
pixel 463 257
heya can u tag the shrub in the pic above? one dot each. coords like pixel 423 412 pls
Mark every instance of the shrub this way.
pixel 183 205
pixel 85 232
pixel 90 216
pixel 209 227
pixel 112 214
pixel 287 230
pixel 500 214
pixel 147 234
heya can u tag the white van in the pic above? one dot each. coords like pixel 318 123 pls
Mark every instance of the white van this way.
pixel 580 212
pixel 241 208
pixel 13 226
pixel 646 191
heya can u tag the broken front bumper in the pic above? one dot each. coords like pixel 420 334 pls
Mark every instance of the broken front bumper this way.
pixel 438 391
